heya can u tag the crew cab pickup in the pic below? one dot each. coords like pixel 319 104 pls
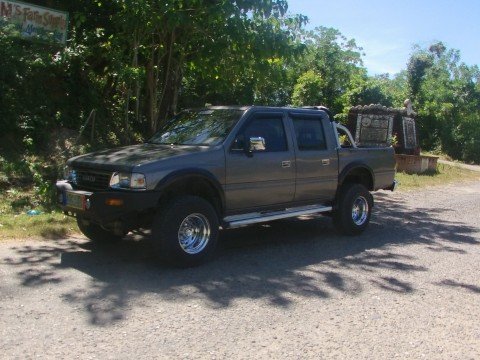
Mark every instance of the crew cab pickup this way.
pixel 224 167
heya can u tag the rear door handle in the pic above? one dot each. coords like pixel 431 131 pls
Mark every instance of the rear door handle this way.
pixel 286 164
pixel 325 161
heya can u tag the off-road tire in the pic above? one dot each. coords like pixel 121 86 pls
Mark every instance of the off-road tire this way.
pixel 185 231
pixel 352 209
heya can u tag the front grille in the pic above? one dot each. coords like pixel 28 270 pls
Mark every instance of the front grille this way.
pixel 92 180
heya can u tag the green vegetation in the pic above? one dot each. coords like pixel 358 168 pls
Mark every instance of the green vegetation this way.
pixel 446 94
pixel 134 63
pixel 445 174
pixel 130 64
pixel 15 223
pixel 53 225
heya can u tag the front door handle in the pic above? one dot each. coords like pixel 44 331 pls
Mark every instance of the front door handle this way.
pixel 325 161
pixel 286 164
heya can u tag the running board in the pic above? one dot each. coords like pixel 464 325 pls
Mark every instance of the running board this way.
pixel 255 218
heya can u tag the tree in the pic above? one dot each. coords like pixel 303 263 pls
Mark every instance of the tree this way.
pixel 247 64
pixel 447 99
pixel 417 67
pixel 336 60
pixel 309 90
pixel 181 35
pixel 135 61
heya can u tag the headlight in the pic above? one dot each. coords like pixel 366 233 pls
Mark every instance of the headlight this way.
pixel 134 181
pixel 70 174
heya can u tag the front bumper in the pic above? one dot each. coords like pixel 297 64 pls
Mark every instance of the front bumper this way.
pixel 105 207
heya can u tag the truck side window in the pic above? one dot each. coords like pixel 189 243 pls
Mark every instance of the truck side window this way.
pixel 271 129
pixel 309 133
pixel 343 139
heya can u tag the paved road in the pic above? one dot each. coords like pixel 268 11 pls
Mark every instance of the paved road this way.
pixel 408 288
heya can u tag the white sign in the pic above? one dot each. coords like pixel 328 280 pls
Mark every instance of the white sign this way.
pixel 33 21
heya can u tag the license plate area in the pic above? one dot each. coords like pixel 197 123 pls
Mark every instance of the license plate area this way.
pixel 76 199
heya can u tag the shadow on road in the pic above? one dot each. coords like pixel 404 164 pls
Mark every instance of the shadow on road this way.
pixel 278 262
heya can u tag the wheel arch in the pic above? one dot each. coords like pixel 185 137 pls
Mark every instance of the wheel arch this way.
pixel 358 173
pixel 196 182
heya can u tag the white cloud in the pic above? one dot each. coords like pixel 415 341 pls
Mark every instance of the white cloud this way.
pixel 385 56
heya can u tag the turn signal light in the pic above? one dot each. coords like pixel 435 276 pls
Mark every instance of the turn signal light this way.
pixel 114 202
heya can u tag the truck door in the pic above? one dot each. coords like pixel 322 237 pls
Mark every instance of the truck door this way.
pixel 264 176
pixel 316 157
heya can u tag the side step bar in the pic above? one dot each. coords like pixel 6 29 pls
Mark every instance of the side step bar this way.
pixel 255 218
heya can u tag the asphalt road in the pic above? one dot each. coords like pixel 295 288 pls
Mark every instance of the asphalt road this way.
pixel 407 288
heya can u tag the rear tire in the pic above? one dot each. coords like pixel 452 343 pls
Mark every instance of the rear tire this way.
pixel 185 231
pixel 96 233
pixel 353 209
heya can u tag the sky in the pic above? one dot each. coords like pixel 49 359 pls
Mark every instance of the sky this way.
pixel 388 29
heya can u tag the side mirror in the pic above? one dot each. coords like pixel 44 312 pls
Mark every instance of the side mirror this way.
pixel 256 143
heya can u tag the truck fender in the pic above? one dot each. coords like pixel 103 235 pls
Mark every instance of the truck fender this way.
pixel 189 173
pixel 358 166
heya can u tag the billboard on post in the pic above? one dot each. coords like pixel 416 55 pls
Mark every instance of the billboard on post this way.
pixel 33 21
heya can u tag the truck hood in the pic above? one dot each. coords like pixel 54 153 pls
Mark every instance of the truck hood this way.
pixel 128 157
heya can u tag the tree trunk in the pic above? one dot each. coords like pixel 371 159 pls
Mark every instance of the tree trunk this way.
pixel 165 100
pixel 177 85
pixel 151 93
pixel 137 80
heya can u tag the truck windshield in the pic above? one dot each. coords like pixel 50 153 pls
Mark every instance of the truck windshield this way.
pixel 201 127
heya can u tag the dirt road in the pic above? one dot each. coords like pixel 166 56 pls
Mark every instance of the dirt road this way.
pixel 408 287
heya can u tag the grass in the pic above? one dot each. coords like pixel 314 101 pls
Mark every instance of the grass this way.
pixel 54 225
pixel 440 155
pixel 445 174
pixel 15 223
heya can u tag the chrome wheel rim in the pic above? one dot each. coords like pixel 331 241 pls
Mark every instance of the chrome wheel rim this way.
pixel 194 233
pixel 360 210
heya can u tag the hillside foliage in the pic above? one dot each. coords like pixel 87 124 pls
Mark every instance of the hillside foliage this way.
pixel 134 63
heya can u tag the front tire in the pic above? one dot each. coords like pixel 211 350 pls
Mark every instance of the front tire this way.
pixel 96 233
pixel 185 231
pixel 353 209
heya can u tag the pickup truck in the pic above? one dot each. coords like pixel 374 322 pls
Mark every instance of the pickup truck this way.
pixel 224 167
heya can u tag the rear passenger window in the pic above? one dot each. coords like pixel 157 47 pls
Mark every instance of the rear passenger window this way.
pixel 309 133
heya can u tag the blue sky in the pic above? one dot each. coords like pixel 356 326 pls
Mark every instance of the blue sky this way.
pixel 387 30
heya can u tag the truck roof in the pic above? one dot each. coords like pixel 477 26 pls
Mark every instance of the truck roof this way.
pixel 247 107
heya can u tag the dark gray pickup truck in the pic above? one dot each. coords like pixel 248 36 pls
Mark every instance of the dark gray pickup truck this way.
pixel 225 167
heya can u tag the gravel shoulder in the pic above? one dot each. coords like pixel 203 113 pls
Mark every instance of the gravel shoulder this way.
pixel 407 288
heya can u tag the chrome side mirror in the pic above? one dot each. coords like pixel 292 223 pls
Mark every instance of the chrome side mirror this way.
pixel 256 144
